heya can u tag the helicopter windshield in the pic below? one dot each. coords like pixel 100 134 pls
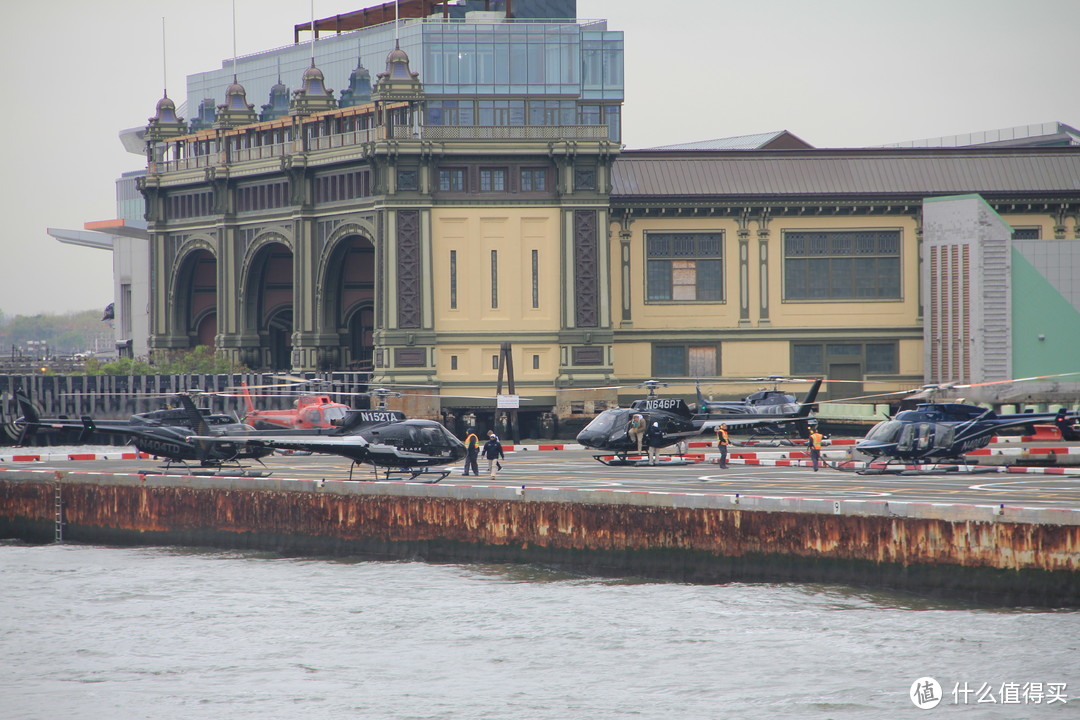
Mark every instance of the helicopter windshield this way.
pixel 333 413
pixel 608 420
pixel 885 432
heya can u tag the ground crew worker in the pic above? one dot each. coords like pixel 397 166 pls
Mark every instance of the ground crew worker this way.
pixel 815 446
pixel 722 443
pixel 472 449
pixel 654 437
pixel 637 429
pixel 493 451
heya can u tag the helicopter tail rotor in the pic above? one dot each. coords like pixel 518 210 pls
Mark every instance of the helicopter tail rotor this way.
pixel 29 421
pixel 198 422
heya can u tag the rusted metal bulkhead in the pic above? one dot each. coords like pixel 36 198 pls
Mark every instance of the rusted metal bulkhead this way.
pixel 1000 562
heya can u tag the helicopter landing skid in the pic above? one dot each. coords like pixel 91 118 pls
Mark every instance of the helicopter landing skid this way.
pixel 186 470
pixel 923 470
pixel 643 460
pixel 433 476
pixel 436 475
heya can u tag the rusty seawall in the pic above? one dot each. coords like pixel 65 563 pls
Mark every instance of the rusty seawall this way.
pixel 983 554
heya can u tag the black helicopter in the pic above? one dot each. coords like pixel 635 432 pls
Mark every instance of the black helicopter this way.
pixel 610 430
pixel 942 431
pixel 771 405
pixel 164 433
pixel 380 437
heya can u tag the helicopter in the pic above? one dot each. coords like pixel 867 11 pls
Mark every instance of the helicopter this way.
pixel 380 437
pixel 610 429
pixel 310 410
pixel 163 433
pixel 942 431
pixel 772 404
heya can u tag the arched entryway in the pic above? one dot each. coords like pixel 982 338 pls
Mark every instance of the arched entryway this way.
pixel 269 304
pixel 279 327
pixel 361 334
pixel 195 298
pixel 349 304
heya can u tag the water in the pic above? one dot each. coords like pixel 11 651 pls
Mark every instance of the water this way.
pixel 116 633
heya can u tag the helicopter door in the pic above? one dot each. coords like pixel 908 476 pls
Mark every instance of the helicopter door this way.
pixel 907 437
pixel 944 436
pixel 925 438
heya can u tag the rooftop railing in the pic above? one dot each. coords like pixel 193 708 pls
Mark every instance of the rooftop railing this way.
pixel 231 154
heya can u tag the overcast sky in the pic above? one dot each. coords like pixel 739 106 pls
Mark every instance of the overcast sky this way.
pixel 837 73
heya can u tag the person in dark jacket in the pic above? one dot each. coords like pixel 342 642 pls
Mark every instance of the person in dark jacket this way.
pixel 654 438
pixel 472 449
pixel 493 451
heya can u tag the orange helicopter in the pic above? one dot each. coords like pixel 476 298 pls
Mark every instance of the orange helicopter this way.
pixel 310 410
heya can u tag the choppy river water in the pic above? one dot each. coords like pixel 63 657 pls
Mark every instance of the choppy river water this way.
pixel 117 633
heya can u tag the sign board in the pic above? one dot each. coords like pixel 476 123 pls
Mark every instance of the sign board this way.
pixel 507 402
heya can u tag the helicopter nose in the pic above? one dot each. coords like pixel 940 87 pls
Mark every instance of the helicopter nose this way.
pixel 872 447
pixel 588 438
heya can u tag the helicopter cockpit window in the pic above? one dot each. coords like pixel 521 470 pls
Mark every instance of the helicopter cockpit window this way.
pixel 944 436
pixel 885 431
pixel 431 436
pixel 334 413
pixel 608 420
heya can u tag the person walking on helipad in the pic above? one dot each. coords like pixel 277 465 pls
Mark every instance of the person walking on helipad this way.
pixel 815 447
pixel 472 449
pixel 722 443
pixel 493 451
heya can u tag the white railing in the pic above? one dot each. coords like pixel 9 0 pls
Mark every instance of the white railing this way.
pixel 513 132
pixel 397 132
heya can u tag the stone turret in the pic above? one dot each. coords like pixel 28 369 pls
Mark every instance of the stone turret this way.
pixel 399 83
pixel 165 124
pixel 313 95
pixel 236 110
pixel 279 102
pixel 205 117
pixel 359 90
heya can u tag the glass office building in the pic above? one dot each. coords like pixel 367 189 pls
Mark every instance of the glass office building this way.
pixel 478 69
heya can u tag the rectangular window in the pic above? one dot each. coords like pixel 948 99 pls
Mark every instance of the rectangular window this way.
pixel 536 278
pixel 536 362
pixel 533 180
pixel 842 265
pixel 453 279
pixel 406 179
pixel 881 358
pixel 585 178
pixel 1026 233
pixel 453 362
pixel 188 205
pixel 686 361
pixel 684 267
pixel 493 180
pixel 452 180
pixel 494 279
pixel 874 358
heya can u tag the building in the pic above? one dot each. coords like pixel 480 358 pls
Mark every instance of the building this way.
pixel 812 262
pixel 477 194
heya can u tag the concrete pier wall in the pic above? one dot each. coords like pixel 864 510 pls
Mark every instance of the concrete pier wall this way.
pixel 985 554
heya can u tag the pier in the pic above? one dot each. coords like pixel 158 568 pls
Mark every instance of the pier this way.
pixel 993 554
